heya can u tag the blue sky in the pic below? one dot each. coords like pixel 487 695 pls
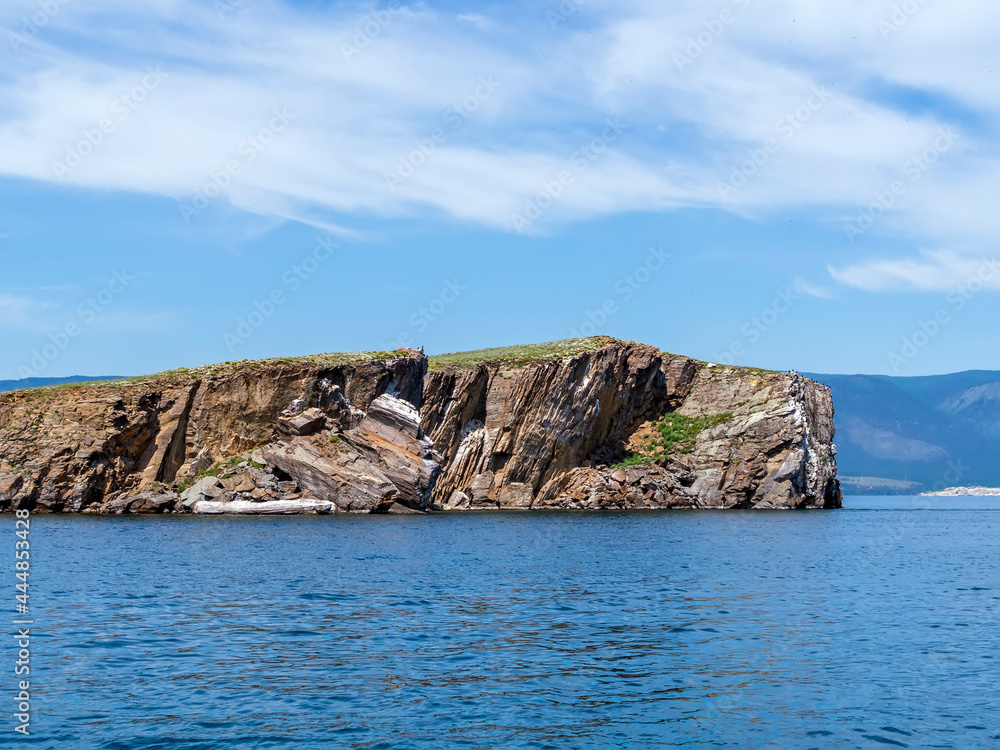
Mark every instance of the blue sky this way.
pixel 772 184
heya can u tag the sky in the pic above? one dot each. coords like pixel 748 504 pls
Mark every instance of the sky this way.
pixel 788 184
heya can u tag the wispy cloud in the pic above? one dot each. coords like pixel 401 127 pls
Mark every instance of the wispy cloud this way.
pixel 932 271
pixel 813 290
pixel 356 112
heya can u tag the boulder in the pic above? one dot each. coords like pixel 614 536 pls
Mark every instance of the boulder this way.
pixel 390 436
pixel 516 495
pixel 333 472
pixel 402 510
pixel 307 422
pixel 392 419
pixel 206 488
pixel 146 502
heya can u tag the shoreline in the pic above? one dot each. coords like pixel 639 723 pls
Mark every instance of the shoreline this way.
pixel 964 492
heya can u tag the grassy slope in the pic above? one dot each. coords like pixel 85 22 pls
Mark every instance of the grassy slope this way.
pixel 508 356
pixel 221 370
pixel 518 356
pixel 512 356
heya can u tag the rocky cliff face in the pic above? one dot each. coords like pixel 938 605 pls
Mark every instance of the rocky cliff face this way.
pixel 610 425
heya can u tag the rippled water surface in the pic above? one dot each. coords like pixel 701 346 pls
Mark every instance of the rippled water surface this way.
pixel 875 626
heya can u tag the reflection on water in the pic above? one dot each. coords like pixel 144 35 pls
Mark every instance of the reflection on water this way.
pixel 869 627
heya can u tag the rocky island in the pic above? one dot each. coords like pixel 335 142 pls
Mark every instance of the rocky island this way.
pixel 586 424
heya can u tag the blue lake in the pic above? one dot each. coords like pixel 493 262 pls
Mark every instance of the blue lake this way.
pixel 871 627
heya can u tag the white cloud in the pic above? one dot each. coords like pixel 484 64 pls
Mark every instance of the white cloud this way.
pixel 813 290
pixel 933 271
pixel 368 87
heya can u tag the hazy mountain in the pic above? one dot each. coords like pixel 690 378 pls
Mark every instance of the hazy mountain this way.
pixel 15 385
pixel 934 431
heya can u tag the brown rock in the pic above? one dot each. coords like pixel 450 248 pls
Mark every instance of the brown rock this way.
pixel 537 435
pixel 308 422
pixel 516 495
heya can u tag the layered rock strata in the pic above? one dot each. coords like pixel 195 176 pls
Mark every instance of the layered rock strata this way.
pixel 393 435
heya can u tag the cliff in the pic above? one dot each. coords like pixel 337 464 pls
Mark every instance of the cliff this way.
pixel 584 424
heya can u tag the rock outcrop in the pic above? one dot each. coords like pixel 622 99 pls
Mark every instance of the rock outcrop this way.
pixel 606 425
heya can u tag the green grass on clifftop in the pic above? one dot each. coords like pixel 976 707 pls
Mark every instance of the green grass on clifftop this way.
pixel 506 356
pixel 225 369
pixel 221 370
pixel 509 356
pixel 518 356
pixel 674 434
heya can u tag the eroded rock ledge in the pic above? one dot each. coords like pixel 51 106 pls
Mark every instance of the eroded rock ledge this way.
pixel 600 428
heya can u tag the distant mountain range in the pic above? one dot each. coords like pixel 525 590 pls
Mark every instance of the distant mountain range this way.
pixel 901 435
pixel 14 385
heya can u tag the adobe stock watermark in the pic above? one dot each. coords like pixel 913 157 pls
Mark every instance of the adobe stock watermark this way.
pixel 121 109
pixel 900 16
pixel 754 329
pixel 624 289
pixel 425 315
pixel 32 25
pixel 786 126
pixel 579 161
pixel 566 9
pixel 248 150
pixel 86 313
pixel 914 168
pixel 24 617
pixel 952 477
pixel 224 7
pixel 368 30
pixel 291 281
pixel 453 119
pixel 714 28
pixel 929 329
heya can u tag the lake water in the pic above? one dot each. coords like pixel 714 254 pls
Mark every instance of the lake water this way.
pixel 871 627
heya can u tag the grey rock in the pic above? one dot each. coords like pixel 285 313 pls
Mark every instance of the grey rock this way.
pixel 390 436
pixel 401 510
pixel 333 473
pixel 459 501
pixel 240 482
pixel 206 488
pixel 146 502
pixel 392 419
